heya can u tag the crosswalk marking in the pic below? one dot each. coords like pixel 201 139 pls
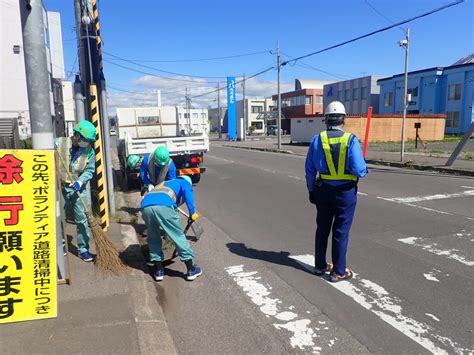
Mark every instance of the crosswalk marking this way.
pixel 435 249
pixel 377 300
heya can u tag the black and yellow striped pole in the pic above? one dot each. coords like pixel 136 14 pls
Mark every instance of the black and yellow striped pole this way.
pixel 95 12
pixel 99 160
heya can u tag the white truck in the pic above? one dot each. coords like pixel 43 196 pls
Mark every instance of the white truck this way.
pixel 142 129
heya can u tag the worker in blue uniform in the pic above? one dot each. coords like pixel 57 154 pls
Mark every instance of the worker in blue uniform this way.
pixel 160 212
pixel 334 164
pixel 157 167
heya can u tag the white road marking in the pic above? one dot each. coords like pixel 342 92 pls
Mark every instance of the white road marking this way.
pixel 376 299
pixel 217 158
pixel 430 277
pixel 302 334
pixel 412 205
pixel 432 197
pixel 467 187
pixel 433 248
pixel 295 177
pixel 432 316
pixel 362 193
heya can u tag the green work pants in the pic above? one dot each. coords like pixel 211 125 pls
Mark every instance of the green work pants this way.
pixel 82 226
pixel 167 219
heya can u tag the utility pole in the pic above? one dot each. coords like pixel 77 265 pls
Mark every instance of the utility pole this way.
pixel 79 100
pixel 80 49
pixel 405 43
pixel 219 110
pixel 37 83
pixel 37 75
pixel 244 110
pixel 279 96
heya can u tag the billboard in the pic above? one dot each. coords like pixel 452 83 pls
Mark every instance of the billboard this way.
pixel 231 109
pixel 27 235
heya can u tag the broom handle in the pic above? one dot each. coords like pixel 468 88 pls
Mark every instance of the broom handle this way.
pixel 70 177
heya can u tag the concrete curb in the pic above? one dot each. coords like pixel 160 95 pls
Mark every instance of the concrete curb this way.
pixel 152 329
pixel 441 169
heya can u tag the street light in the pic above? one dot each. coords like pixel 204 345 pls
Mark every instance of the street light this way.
pixel 405 44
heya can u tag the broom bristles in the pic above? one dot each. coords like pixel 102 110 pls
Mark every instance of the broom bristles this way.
pixel 108 259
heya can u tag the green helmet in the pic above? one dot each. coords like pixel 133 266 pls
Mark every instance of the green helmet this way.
pixel 133 161
pixel 187 178
pixel 86 129
pixel 162 156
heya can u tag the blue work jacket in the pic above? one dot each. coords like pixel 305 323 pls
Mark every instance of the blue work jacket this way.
pixel 144 171
pixel 316 161
pixel 182 189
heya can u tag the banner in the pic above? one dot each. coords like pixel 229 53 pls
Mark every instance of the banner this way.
pixel 27 235
pixel 231 109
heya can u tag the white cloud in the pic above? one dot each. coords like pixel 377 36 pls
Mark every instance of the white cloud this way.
pixel 173 92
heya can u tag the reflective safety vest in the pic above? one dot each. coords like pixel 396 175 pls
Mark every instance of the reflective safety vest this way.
pixel 336 148
pixel 75 168
pixel 152 170
pixel 162 189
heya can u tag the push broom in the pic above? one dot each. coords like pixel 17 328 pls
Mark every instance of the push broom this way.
pixel 107 260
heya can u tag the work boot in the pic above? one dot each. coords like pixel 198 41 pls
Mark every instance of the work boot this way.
pixel 158 271
pixel 86 256
pixel 193 273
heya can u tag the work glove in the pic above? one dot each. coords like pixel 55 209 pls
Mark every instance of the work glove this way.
pixel 76 185
pixel 150 187
pixel 55 145
pixel 193 218
pixel 312 198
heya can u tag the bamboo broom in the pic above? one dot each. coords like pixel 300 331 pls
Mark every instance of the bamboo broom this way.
pixel 107 259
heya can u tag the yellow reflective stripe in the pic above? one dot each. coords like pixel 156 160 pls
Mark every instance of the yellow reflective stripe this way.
pixel 340 174
pixel 327 153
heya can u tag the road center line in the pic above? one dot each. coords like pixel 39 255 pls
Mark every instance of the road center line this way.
pixel 432 197
pixel 412 205
pixel 377 300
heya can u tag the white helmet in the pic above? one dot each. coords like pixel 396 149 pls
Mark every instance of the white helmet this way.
pixel 335 107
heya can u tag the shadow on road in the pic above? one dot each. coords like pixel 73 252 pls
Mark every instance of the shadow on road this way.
pixel 275 257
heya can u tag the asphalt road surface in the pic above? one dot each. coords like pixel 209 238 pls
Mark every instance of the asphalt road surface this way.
pixel 411 248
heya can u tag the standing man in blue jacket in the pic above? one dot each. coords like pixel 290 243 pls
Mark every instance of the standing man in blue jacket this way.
pixel 334 164
pixel 160 211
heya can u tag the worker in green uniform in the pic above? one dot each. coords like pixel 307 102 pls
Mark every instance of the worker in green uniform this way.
pixel 78 154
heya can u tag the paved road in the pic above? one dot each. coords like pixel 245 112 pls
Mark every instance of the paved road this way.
pixel 411 248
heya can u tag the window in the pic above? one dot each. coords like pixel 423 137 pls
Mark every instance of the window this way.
pixel 339 95
pixel 388 99
pixel 452 119
pixel 203 115
pixel 186 115
pixel 347 95
pixel 413 92
pixel 363 93
pixel 319 99
pixel 308 100
pixel 258 109
pixel 257 125
pixel 146 120
pixel 454 92
pixel 180 115
pixel 355 94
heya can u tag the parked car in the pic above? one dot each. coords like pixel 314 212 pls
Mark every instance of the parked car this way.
pixel 272 130
pixel 113 132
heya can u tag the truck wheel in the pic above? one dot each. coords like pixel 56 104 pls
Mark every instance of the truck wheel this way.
pixel 196 178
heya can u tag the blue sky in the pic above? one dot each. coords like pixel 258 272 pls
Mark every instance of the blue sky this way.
pixel 165 30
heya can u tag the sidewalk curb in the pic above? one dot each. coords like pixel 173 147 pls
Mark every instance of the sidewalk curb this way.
pixel 152 329
pixel 441 169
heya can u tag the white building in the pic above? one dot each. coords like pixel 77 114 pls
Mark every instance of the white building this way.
pixel 69 107
pixel 13 91
pixel 195 121
pixel 254 107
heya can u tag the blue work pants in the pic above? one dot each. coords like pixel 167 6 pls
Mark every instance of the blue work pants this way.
pixel 335 210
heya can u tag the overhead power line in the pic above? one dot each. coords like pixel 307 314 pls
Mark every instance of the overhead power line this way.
pixel 161 70
pixel 374 32
pixel 158 76
pixel 306 65
pixel 199 59
pixel 237 82
pixel 381 14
